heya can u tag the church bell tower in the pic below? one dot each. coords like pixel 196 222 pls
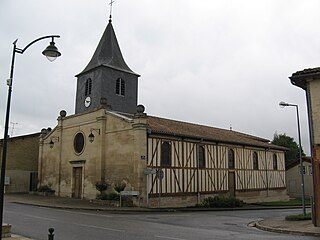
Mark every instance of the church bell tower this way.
pixel 107 76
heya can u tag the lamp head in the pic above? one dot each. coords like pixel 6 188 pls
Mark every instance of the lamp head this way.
pixel 283 104
pixel 51 52
pixel 51 144
pixel 91 137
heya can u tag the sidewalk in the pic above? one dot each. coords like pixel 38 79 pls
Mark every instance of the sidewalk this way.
pixel 273 225
pixel 290 227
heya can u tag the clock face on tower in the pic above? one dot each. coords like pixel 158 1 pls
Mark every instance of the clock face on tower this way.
pixel 87 101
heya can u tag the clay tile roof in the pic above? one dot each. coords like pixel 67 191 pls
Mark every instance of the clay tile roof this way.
pixel 190 130
pixel 299 78
pixel 307 71
pixel 296 162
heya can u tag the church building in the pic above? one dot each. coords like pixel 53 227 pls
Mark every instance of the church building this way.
pixel 164 162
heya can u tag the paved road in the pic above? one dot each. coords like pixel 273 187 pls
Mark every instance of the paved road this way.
pixel 34 221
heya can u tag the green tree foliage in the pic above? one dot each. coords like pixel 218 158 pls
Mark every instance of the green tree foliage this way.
pixel 288 142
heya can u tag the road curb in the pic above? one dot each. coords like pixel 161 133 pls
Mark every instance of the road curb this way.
pixel 151 210
pixel 259 225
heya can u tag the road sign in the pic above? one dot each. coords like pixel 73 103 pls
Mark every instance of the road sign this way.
pixel 148 171
pixel 160 174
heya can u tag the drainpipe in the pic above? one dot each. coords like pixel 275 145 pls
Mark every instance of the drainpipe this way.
pixel 198 177
pixel 266 164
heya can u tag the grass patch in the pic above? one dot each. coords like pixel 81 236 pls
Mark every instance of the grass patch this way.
pixel 298 217
pixel 291 202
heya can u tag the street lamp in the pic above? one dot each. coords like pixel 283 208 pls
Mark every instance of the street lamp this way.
pixel 284 104
pixel 51 52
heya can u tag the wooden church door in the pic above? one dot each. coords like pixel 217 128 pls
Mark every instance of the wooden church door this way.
pixel 231 183
pixel 77 182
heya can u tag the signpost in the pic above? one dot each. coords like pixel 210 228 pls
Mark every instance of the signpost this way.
pixel 160 175
pixel 149 171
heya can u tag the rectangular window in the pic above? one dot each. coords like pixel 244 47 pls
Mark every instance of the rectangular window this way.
pixel 201 157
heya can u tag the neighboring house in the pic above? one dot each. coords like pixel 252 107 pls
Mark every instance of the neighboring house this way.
pixel 309 81
pixel 293 177
pixel 168 162
pixel 22 163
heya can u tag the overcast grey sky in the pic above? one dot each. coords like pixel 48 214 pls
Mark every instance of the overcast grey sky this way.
pixel 217 63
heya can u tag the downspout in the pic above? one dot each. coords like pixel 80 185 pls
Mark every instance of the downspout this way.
pixel 148 132
pixel 266 164
pixel 197 162
pixel 198 169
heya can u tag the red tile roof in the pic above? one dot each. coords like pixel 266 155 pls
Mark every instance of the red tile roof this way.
pixel 190 130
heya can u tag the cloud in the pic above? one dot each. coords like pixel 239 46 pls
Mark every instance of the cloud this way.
pixel 208 62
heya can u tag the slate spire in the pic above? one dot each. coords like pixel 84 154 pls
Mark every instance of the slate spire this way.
pixel 108 53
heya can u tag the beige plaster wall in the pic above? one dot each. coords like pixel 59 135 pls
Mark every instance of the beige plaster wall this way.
pixel 314 90
pixel 293 179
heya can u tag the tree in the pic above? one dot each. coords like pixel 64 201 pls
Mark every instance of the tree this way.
pixel 285 141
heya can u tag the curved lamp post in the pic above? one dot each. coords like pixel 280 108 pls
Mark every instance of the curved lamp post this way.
pixel 284 104
pixel 51 52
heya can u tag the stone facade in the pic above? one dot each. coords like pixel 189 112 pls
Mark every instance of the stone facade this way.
pixel 113 156
pixel 22 163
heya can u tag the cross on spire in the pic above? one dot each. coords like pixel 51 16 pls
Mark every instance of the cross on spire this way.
pixel 111 2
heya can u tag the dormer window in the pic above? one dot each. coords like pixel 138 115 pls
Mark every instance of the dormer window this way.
pixel 120 87
pixel 88 87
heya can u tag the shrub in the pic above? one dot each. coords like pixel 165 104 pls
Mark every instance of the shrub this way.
pixel 102 186
pixel 109 196
pixel 45 188
pixel 221 202
pixel 119 187
pixel 298 217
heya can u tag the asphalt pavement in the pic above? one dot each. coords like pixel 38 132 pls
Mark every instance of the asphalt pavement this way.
pixel 274 225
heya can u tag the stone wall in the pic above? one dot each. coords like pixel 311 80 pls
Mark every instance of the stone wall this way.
pixel 22 160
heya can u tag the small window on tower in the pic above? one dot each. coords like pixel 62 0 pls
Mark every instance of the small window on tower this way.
pixel 88 87
pixel 120 87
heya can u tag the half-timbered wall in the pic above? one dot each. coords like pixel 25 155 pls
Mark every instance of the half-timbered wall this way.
pixel 184 176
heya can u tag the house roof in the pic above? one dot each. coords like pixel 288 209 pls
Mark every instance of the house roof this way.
pixel 297 162
pixel 190 130
pixel 31 135
pixel 299 78
pixel 108 53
